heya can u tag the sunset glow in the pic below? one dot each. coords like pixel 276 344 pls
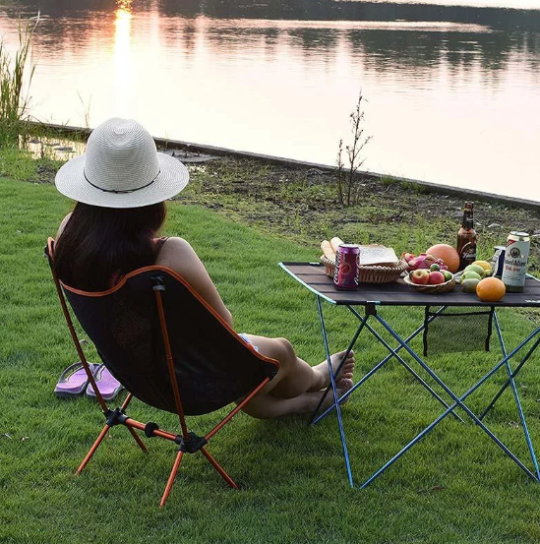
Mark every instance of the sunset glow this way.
pixel 122 52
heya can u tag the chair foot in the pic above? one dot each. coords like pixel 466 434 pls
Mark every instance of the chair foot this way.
pixel 216 465
pixel 172 477
pixel 93 449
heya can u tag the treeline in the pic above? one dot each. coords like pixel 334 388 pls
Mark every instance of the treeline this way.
pixel 496 18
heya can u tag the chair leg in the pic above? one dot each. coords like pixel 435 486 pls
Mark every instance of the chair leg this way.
pixel 137 439
pixel 222 473
pixel 172 477
pixel 93 449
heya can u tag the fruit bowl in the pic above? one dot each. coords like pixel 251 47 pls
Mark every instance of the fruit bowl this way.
pixel 430 288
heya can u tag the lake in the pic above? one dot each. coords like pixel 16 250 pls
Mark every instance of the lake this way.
pixel 451 87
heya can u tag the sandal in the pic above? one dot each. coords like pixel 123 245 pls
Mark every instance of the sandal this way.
pixel 74 380
pixel 107 384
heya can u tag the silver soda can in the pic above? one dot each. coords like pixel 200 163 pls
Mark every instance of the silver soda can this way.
pixel 515 261
pixel 497 261
pixel 346 270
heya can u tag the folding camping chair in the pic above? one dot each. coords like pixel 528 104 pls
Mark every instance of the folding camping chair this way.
pixel 168 348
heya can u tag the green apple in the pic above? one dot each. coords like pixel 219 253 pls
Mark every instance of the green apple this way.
pixel 447 275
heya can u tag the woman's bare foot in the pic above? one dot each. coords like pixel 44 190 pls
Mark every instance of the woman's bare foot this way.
pixel 322 369
pixel 343 385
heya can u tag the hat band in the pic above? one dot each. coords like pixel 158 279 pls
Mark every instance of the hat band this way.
pixel 120 192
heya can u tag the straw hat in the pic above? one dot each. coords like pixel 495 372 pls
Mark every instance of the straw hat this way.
pixel 121 169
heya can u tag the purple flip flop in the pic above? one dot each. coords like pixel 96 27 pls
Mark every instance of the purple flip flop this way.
pixel 107 384
pixel 73 380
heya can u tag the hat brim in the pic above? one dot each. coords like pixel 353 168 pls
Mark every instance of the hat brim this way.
pixel 172 178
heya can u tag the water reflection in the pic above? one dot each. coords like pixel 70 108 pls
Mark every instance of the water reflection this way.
pixel 447 87
pixel 122 54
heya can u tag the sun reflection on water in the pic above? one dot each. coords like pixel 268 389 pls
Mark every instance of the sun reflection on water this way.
pixel 122 53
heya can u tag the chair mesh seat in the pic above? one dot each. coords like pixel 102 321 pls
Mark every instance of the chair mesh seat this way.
pixel 213 366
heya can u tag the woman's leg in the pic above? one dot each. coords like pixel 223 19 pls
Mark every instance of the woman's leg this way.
pixel 268 406
pixel 295 376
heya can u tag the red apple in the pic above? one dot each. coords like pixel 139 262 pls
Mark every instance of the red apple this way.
pixel 420 276
pixel 436 278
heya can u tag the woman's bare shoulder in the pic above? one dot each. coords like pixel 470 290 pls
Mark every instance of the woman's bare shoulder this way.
pixel 63 225
pixel 174 251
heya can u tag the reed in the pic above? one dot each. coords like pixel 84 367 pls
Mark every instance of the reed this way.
pixel 13 104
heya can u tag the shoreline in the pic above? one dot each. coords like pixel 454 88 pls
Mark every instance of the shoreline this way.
pixel 217 151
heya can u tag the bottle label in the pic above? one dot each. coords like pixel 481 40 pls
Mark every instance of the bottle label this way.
pixel 468 253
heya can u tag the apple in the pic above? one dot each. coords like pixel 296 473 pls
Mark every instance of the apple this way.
pixel 420 276
pixel 447 275
pixel 434 267
pixel 436 277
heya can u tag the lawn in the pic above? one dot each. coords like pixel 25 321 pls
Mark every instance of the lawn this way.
pixel 455 486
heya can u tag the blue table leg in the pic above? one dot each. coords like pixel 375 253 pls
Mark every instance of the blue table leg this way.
pixel 513 375
pixel 393 353
pixel 458 402
pixel 363 322
pixel 334 390
pixel 516 398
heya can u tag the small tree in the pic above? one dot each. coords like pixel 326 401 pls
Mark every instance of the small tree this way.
pixel 347 183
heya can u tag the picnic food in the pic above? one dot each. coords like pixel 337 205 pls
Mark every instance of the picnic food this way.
pixel 430 282
pixel 447 253
pixel 436 277
pixel 328 252
pixel 471 275
pixel 486 266
pixel 425 260
pixel 490 290
pixel 420 276
pixel 335 242
pixel 378 264
pixel 475 268
pixel 469 285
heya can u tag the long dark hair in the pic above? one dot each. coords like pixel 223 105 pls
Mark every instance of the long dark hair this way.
pixel 100 244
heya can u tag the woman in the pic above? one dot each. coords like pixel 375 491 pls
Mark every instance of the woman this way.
pixel 120 186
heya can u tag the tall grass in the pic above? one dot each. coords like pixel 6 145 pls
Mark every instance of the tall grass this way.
pixel 13 105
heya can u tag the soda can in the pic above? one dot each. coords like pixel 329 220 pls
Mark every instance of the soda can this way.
pixel 497 261
pixel 515 261
pixel 346 270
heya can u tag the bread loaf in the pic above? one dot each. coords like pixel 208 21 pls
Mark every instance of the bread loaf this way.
pixel 377 255
pixel 328 251
pixel 335 242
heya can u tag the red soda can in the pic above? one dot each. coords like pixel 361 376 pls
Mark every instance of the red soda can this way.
pixel 346 270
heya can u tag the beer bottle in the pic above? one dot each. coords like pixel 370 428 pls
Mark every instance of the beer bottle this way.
pixel 466 239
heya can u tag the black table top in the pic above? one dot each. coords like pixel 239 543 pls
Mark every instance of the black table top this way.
pixel 312 276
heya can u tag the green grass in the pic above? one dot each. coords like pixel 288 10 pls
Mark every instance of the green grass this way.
pixel 455 486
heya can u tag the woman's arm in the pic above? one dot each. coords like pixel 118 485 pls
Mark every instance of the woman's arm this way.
pixel 178 254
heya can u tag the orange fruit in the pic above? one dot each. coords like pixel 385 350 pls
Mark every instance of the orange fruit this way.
pixel 448 254
pixel 490 290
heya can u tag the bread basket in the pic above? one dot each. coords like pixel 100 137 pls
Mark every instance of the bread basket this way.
pixel 370 274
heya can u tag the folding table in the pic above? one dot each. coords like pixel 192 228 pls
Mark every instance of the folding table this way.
pixel 372 297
